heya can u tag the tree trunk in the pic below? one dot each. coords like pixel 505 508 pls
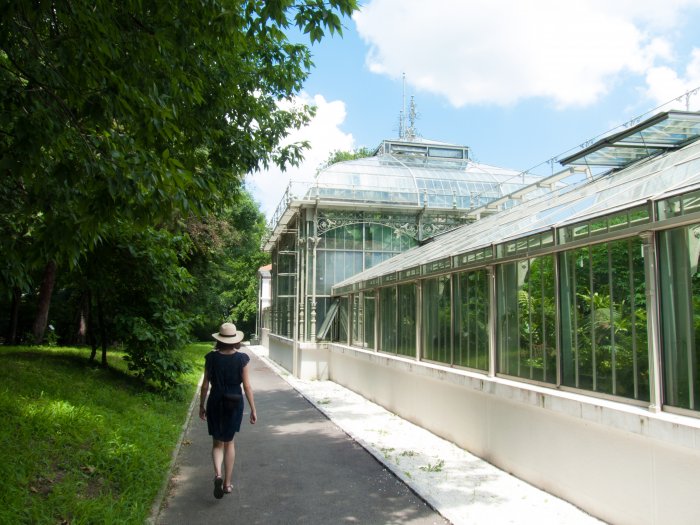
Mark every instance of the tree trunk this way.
pixel 82 320
pixel 90 327
pixel 45 292
pixel 14 316
pixel 103 330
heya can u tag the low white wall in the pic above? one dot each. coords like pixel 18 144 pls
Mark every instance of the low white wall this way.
pixel 281 351
pixel 265 337
pixel 621 463
pixel 313 361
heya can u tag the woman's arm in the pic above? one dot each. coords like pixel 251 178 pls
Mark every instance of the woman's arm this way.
pixel 249 395
pixel 203 395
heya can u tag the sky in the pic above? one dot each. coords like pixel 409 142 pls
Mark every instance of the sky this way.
pixel 520 83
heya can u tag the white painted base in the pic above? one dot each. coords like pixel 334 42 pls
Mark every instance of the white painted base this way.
pixel 623 464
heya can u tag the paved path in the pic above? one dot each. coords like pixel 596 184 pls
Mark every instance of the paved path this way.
pixel 293 466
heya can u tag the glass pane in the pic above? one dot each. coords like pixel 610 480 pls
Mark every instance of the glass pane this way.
pixel 368 319
pixel 322 306
pixel 356 316
pixel 286 263
pixel 406 337
pixel 288 242
pixel 387 319
pixel 577 369
pixel 472 320
pixel 679 251
pixel 286 285
pixel 603 323
pixel 526 319
pixel 341 321
pixel 335 266
pixel 630 351
pixel 437 319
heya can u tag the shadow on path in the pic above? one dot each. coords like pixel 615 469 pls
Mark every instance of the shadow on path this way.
pixel 293 466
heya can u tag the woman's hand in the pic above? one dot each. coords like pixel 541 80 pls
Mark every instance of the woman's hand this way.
pixel 253 417
pixel 202 413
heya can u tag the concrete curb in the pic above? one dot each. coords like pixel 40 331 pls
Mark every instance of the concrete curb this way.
pixel 368 447
pixel 160 497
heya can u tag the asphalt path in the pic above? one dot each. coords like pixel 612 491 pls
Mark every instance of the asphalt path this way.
pixel 293 466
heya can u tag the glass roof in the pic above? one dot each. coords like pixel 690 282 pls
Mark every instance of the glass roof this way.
pixel 653 179
pixel 420 173
pixel 415 174
pixel 665 131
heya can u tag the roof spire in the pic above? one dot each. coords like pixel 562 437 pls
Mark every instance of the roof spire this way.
pixel 411 132
pixel 407 132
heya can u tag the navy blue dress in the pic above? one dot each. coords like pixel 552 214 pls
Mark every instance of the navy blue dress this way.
pixel 225 374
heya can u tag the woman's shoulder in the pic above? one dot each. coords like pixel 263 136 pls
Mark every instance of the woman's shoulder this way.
pixel 243 357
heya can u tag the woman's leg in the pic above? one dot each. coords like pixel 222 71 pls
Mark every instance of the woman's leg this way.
pixel 229 449
pixel 217 456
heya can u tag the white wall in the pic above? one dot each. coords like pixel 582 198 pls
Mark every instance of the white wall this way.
pixel 621 463
pixel 281 351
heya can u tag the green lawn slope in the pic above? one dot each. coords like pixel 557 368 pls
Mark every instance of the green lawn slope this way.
pixel 81 443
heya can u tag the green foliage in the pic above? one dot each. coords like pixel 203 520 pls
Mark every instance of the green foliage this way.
pixel 123 121
pixel 83 444
pixel 606 335
pixel 140 287
pixel 341 156
pixel 538 314
pixel 224 262
pixel 472 319
pixel 434 467
pixel 125 110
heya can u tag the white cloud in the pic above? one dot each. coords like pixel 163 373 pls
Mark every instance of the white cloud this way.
pixel 504 51
pixel 664 84
pixel 324 135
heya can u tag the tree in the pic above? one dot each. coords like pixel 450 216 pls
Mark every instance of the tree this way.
pixel 139 113
pixel 337 155
pixel 224 264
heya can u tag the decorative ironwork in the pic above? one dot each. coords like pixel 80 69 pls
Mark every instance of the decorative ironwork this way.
pixel 416 227
pixel 432 228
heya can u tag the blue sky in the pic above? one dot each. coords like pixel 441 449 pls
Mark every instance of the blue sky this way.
pixel 519 82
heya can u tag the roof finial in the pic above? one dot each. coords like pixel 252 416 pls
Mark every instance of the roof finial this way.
pixel 411 132
pixel 407 132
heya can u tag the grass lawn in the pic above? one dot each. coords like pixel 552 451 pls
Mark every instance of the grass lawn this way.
pixel 81 443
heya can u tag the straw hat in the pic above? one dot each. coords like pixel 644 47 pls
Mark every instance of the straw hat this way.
pixel 228 334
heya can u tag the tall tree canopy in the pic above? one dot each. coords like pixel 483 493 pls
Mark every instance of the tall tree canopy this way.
pixel 136 109
pixel 224 263
pixel 120 119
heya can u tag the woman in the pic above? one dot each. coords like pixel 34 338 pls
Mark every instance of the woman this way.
pixel 225 369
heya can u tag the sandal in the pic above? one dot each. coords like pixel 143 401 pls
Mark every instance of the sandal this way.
pixel 218 488
pixel 228 489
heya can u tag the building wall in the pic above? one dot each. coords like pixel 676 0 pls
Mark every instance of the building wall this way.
pixel 281 351
pixel 621 463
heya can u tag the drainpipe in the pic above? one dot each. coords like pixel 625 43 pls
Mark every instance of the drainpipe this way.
pixel 302 275
pixel 419 319
pixel 314 240
pixel 298 313
pixel 491 276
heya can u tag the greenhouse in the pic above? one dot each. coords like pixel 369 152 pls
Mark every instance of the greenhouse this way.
pixel 559 338
pixel 556 290
pixel 358 213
